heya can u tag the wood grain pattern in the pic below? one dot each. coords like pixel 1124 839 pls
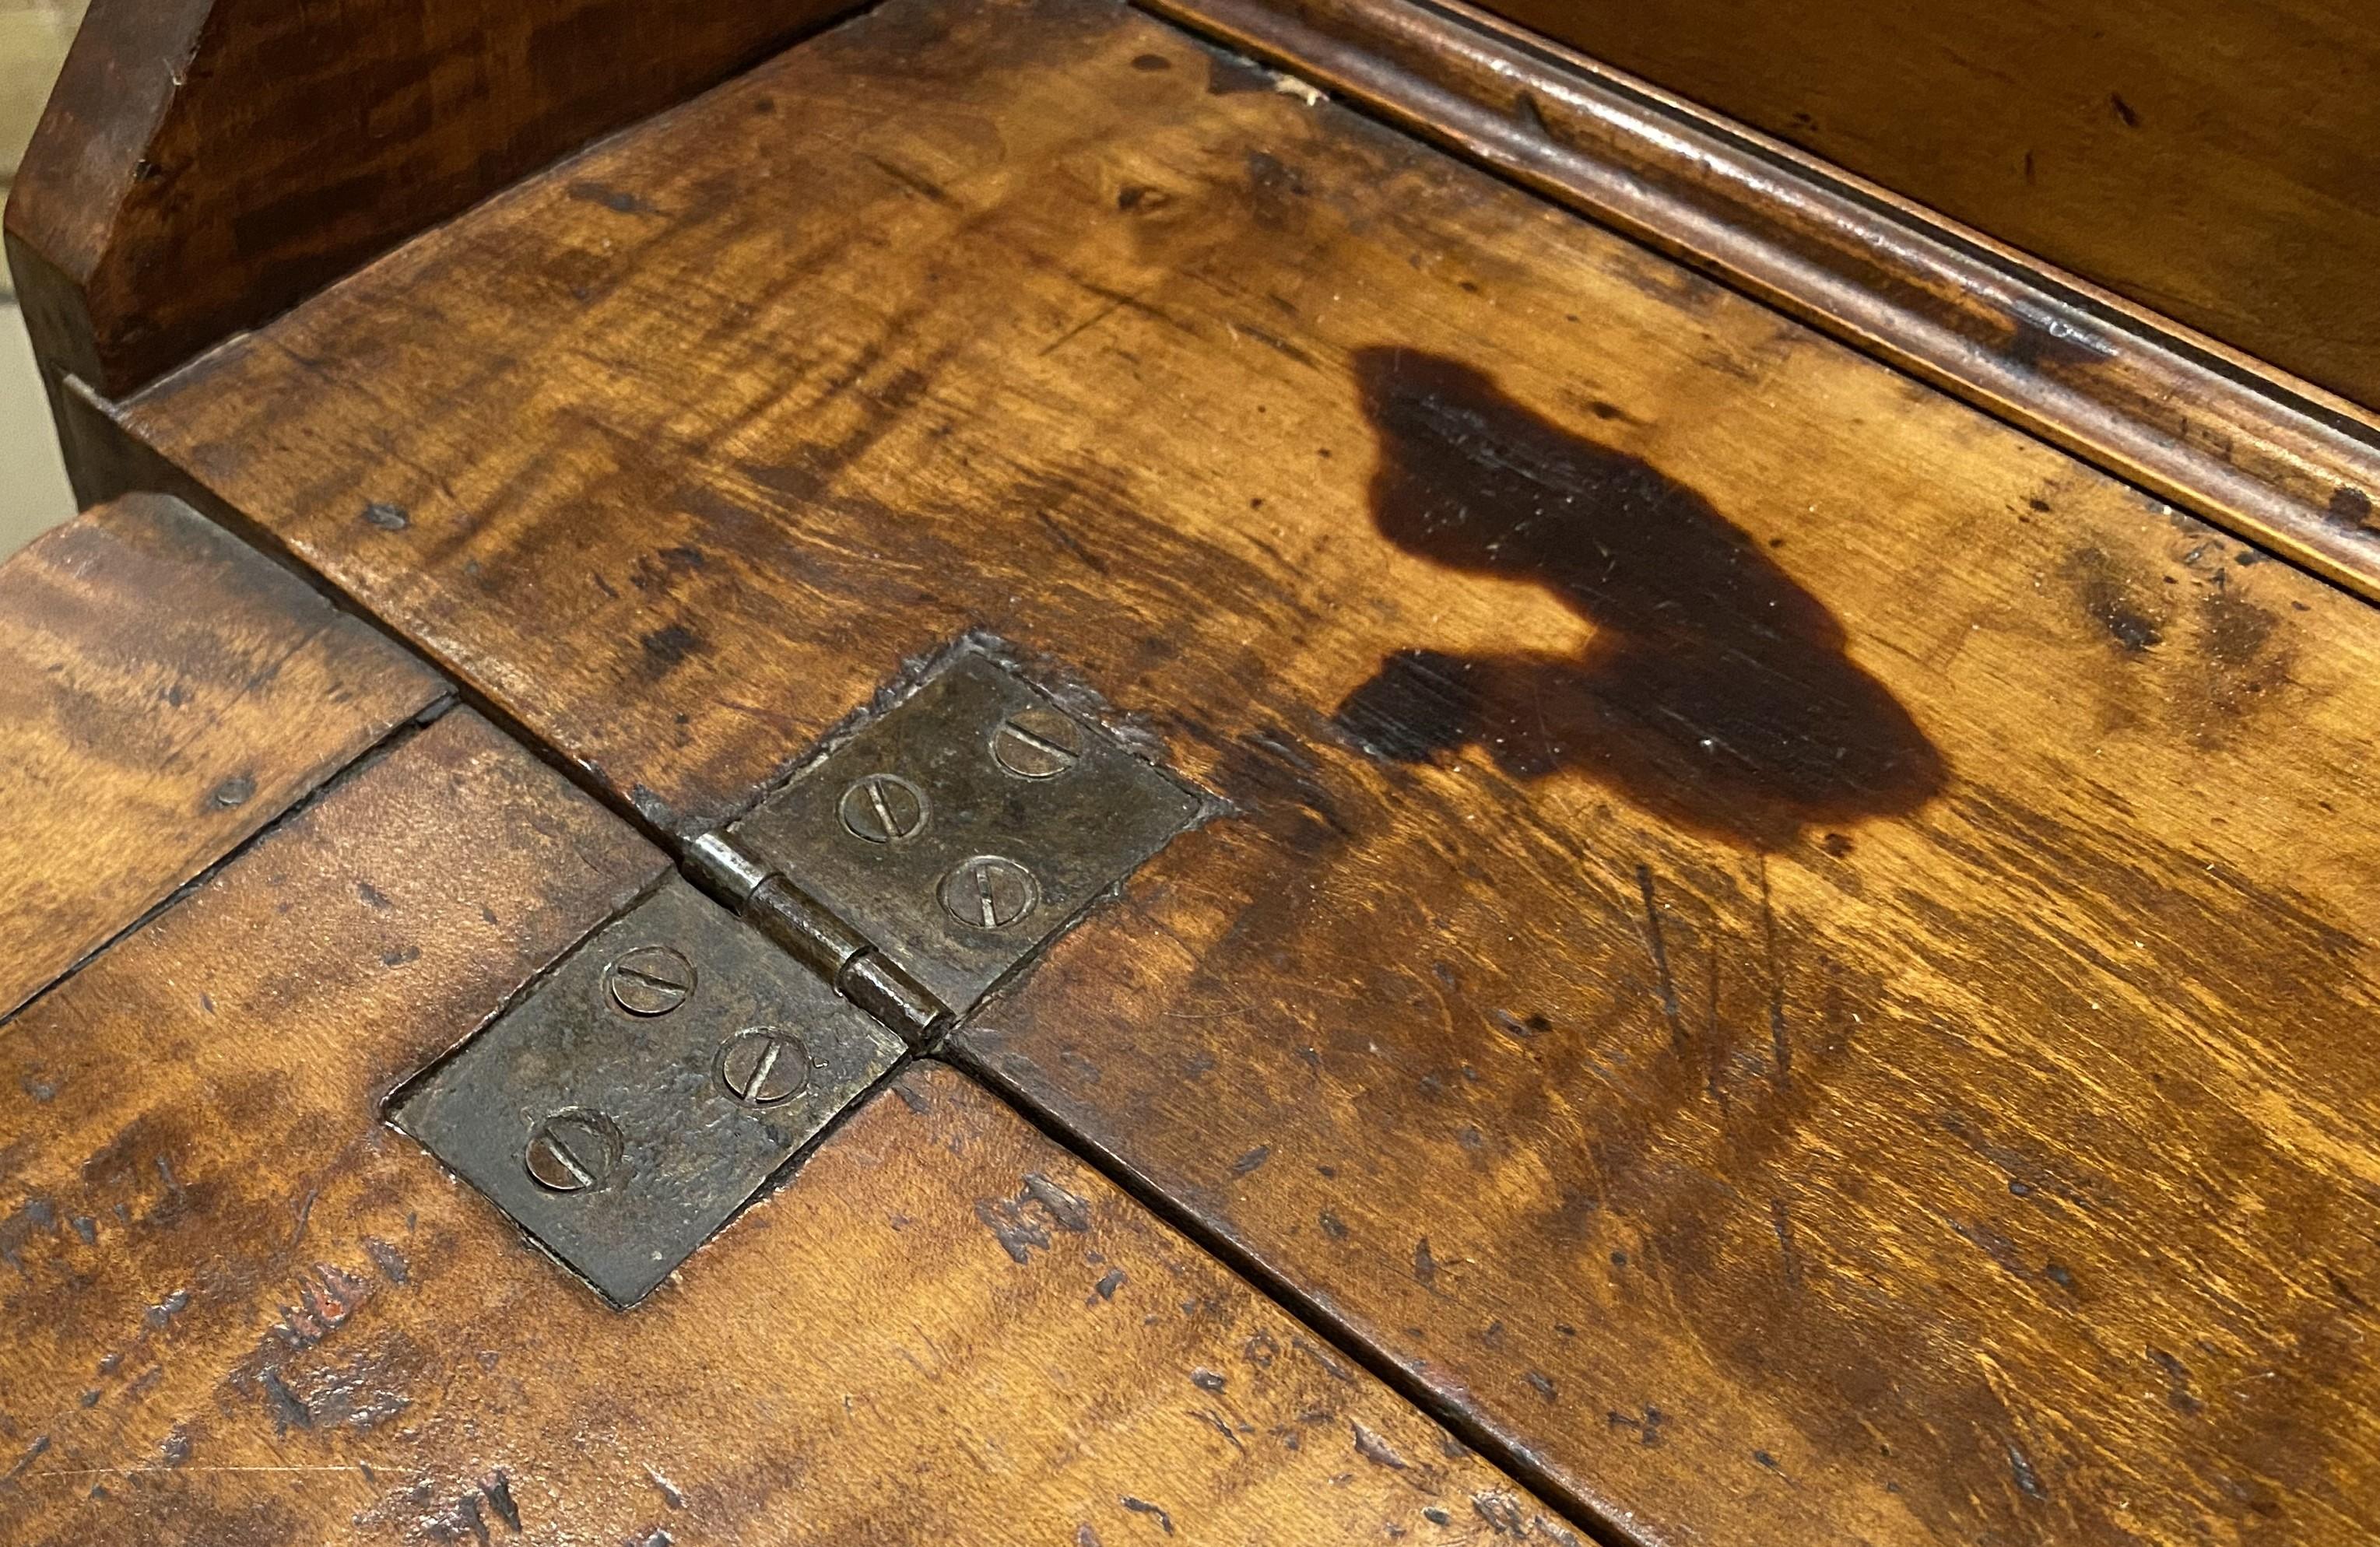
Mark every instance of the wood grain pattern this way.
pixel 2228 438
pixel 1797 955
pixel 167 692
pixel 205 163
pixel 239 1309
pixel 2209 159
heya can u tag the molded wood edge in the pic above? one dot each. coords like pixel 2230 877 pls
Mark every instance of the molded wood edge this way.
pixel 2273 459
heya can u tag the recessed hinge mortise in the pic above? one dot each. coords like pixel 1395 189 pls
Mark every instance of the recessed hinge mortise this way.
pixel 647 1088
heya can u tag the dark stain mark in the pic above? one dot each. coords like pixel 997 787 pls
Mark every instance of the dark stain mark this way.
pixel 1142 1506
pixel 37 1214
pixel 1502 1514
pixel 1330 1366
pixel 1330 1225
pixel 2178 1395
pixel 387 517
pixel 2109 603
pixel 620 202
pixel 1647 1428
pixel 1376 1450
pixel 1514 1026
pixel 1208 1382
pixel 1149 63
pixel 372 895
pixel 1272 177
pixel 2350 507
pixel 1764 1459
pixel 2027 1480
pixel 2124 114
pixel 1023 1223
pixel 498 1492
pixel 1542 1384
pixel 233 793
pixel 1716 692
pixel 388 1259
pixel 1425 1265
pixel 176 1448
pixel 281 1403
pixel 671 645
pixel 1140 196
pixel 1251 1160
pixel 918 183
pixel 33 1454
pixel 158 1316
pixel 1227 77
pixel 1066 1211
pixel 1789 1251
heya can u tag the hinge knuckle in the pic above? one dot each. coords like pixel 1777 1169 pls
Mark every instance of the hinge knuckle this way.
pixel 715 864
pixel 803 925
pixel 877 986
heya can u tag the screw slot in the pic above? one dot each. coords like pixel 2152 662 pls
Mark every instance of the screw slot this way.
pixel 573 1151
pixel 650 979
pixel 883 808
pixel 990 891
pixel 1038 743
pixel 764 1066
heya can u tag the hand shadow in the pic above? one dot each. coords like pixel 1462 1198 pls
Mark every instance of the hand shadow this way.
pixel 1716 692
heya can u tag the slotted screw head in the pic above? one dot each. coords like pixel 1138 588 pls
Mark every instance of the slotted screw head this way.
pixel 990 891
pixel 574 1150
pixel 883 808
pixel 764 1066
pixel 650 979
pixel 1038 743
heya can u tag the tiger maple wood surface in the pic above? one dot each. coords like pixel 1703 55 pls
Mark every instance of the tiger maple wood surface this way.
pixel 1801 957
pixel 2213 160
pixel 165 693
pixel 204 164
pixel 238 1308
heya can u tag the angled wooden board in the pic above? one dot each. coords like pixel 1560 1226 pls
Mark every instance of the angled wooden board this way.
pixel 167 692
pixel 1801 959
pixel 204 164
pixel 237 1307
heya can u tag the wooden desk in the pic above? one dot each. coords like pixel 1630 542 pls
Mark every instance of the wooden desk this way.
pixel 1774 957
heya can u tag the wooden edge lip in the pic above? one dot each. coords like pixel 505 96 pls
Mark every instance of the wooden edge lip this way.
pixel 2272 459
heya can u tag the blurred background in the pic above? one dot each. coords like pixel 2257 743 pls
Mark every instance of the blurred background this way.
pixel 33 38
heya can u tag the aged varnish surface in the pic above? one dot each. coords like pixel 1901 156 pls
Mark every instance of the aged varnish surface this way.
pixel 1788 956
pixel 206 163
pixel 165 691
pixel 243 1310
pixel 2210 159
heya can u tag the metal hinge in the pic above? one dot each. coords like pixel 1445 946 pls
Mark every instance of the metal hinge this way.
pixel 635 1099
pixel 934 851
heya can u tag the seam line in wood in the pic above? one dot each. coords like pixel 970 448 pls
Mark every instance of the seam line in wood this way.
pixel 395 737
pixel 1465 1425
